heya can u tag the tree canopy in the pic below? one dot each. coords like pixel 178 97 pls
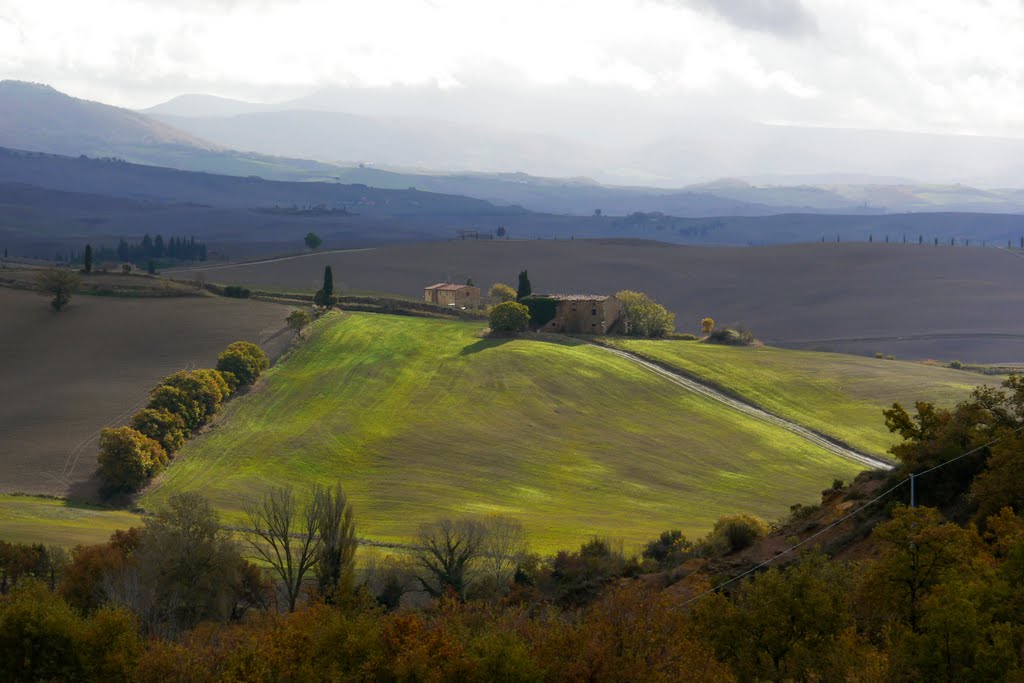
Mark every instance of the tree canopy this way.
pixel 643 316
pixel 509 317
pixel 60 284
pixel 313 240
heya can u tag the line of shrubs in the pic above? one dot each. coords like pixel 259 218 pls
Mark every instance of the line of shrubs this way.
pixel 179 406
pixel 237 292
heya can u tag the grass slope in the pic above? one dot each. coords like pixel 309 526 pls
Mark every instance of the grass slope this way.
pixel 419 418
pixel 27 519
pixel 838 395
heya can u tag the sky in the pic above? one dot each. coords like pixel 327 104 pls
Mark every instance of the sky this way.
pixel 911 65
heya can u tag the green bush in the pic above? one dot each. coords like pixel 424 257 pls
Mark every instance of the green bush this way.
pixel 205 388
pixel 237 292
pixel 671 548
pixel 735 532
pixel 731 337
pixel 127 459
pixel 244 360
pixel 956 365
pixel 509 318
pixel 177 402
pixel 166 428
pixel 500 293
pixel 643 317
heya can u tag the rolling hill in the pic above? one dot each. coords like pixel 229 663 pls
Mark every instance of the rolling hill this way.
pixel 838 395
pixel 422 418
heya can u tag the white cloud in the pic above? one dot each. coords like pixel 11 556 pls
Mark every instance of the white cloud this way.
pixel 913 64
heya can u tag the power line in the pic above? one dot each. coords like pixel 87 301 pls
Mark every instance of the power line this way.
pixel 848 516
pixel 794 547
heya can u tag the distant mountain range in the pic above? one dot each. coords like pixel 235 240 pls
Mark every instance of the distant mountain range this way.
pixel 204 133
pixel 670 148
pixel 52 203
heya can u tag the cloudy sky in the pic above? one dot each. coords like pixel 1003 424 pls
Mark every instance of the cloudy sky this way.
pixel 917 65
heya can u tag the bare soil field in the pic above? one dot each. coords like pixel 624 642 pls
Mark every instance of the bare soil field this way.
pixel 912 301
pixel 65 376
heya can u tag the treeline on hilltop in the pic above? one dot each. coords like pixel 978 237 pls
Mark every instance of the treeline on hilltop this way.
pixel 142 252
pixel 930 592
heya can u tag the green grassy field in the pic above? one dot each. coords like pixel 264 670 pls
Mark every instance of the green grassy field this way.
pixel 30 519
pixel 420 418
pixel 836 394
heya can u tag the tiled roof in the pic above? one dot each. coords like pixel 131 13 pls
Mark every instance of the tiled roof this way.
pixel 578 297
pixel 447 287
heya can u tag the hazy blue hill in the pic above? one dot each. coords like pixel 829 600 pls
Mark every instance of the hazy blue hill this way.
pixel 336 137
pixel 38 117
pixel 197 104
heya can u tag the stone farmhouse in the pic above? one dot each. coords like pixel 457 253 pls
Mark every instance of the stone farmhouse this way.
pixel 450 294
pixel 583 313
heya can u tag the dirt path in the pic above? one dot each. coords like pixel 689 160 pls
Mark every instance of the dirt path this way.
pixel 261 262
pixel 809 435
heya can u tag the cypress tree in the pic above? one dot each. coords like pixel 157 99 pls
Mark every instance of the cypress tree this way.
pixel 524 289
pixel 151 268
pixel 87 265
pixel 328 281
pixel 325 296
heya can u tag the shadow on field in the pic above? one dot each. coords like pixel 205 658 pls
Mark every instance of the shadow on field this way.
pixel 494 342
pixel 483 344
pixel 87 491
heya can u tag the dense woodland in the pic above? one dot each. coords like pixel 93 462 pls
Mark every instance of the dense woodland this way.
pixel 925 593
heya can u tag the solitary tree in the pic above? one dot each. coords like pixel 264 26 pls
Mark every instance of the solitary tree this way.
pixel 313 240
pixel 285 536
pixel 445 555
pixel 524 286
pixel 509 317
pixel 501 231
pixel 59 284
pixel 298 320
pixel 87 263
pixel 325 296
pixel 707 326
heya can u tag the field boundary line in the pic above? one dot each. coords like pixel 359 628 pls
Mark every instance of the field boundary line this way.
pixel 261 262
pixel 751 410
